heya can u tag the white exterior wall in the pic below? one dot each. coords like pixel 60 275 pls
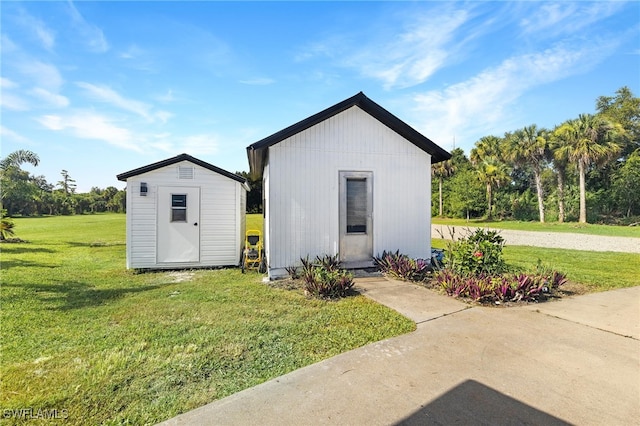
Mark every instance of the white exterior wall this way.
pixel 221 223
pixel 302 188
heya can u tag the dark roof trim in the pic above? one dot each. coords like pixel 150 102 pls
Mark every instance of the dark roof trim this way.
pixel 257 152
pixel 182 157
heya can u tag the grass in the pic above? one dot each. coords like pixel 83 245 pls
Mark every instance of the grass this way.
pixel 598 271
pixel 82 334
pixel 576 228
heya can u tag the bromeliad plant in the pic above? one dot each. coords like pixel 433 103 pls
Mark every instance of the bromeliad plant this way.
pixel 402 266
pixel 500 288
pixel 476 270
pixel 324 278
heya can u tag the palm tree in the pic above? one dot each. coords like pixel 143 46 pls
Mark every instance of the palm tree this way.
pixel 19 157
pixel 441 170
pixel 528 146
pixel 560 161
pixel 486 146
pixel 588 140
pixel 493 173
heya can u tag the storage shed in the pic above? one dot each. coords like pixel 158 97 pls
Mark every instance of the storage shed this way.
pixel 352 180
pixel 184 213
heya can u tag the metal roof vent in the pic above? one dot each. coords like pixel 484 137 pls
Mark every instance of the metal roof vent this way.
pixel 185 172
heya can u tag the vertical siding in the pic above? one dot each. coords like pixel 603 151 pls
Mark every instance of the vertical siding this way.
pixel 220 212
pixel 303 188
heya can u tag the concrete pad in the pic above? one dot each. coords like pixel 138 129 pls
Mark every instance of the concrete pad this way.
pixel 616 311
pixel 477 366
pixel 413 301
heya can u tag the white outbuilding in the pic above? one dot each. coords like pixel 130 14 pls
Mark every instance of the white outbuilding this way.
pixel 351 180
pixel 184 213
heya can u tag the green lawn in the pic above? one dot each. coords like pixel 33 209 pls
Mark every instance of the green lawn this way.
pixel 80 333
pixel 609 230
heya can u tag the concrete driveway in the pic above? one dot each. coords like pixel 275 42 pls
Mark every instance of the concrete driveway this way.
pixel 564 362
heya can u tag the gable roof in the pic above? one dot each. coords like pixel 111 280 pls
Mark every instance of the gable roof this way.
pixel 257 152
pixel 178 158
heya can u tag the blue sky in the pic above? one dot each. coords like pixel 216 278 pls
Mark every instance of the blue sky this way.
pixel 100 88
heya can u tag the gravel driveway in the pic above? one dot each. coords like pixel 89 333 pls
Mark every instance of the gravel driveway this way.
pixel 552 239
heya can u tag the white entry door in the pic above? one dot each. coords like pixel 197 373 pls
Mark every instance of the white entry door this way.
pixel 178 228
pixel 356 222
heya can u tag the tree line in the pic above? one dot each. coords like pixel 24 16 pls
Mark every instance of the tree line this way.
pixel 584 169
pixel 24 194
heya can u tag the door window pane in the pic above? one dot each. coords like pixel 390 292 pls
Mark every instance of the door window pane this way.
pixel 178 207
pixel 356 206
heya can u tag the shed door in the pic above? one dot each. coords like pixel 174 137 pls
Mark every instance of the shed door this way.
pixel 178 228
pixel 356 223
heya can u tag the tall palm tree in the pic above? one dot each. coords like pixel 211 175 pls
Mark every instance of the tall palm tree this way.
pixel 528 146
pixel 589 139
pixel 560 161
pixel 486 146
pixel 441 170
pixel 493 173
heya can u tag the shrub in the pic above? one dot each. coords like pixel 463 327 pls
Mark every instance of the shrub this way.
pixel 402 266
pixel 480 252
pixel 500 288
pixel 325 279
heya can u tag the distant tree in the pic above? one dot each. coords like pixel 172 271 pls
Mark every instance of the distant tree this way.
pixel 560 161
pixel 493 173
pixel 18 191
pixel 254 197
pixel 528 147
pixel 441 170
pixel 624 109
pixel 67 184
pixel 627 184
pixel 587 140
pixel 487 146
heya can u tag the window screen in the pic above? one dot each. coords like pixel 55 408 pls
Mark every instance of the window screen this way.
pixel 178 207
pixel 356 206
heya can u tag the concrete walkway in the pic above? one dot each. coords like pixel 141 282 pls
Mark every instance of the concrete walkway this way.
pixel 555 363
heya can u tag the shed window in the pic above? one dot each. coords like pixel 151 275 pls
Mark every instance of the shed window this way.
pixel 356 206
pixel 178 207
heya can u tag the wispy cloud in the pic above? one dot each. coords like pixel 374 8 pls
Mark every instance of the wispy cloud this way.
pixel 52 99
pixel 10 134
pixel 482 104
pixel 399 57
pixel 37 28
pixel 258 81
pixel 92 35
pixel 552 19
pixel 110 96
pixel 42 74
pixel 89 125
pixel 13 102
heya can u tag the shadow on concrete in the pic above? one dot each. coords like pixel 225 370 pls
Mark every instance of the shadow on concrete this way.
pixel 472 403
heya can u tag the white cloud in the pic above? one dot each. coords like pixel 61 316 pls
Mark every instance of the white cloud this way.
pixel 483 104
pixel 44 34
pixel 258 81
pixel 88 125
pixel 403 57
pixel 53 99
pixel 5 83
pixel 417 53
pixel 10 134
pixel 89 33
pixel 44 75
pixel 550 19
pixel 13 102
pixel 110 96
pixel 201 144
